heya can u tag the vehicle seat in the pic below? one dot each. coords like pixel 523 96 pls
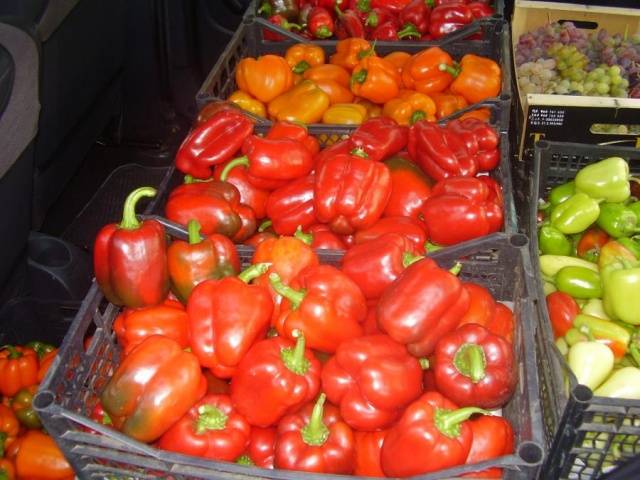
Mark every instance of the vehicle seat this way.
pixel 19 109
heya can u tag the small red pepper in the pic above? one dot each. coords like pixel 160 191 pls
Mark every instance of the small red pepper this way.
pixel 475 367
pixel 449 18
pixel 432 434
pixel 590 244
pixel 562 310
pixel 315 440
pixel 413 230
pixel 226 317
pixel 416 13
pixel 380 138
pixel 282 22
pixel 129 258
pixel 368 447
pixel 291 206
pixel 320 23
pixel 275 378
pixel 353 376
pixel 210 429
pixel 492 438
pixel 349 25
pixel 213 142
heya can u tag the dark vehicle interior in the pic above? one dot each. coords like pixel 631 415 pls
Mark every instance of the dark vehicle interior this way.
pixel 95 97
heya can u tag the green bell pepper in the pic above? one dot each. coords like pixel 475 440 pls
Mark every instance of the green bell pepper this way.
pixel 607 179
pixel 562 192
pixel 579 282
pixel 591 363
pixel 617 220
pixel 621 296
pixel 575 214
pixel 552 241
pixel 631 244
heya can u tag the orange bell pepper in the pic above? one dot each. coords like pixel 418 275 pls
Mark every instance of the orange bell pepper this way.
pixel 7 469
pixel 264 78
pixel 350 51
pixel 45 363
pixel 337 93
pixel 399 59
pixel 483 114
pixel 375 79
pixel 409 107
pixel 345 114
pixel 18 369
pixel 248 103
pixel 476 78
pixel 373 110
pixel 305 103
pixel 328 71
pixel 422 71
pixel 37 457
pixel 9 428
pixel 303 56
pixel 447 103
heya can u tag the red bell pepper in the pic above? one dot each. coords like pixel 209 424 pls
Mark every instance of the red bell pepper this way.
pixel 449 18
pixel 294 131
pixel 320 236
pixel 129 258
pixel 324 304
pixel 416 13
pixel 226 317
pixel 432 434
pixel 492 438
pixel 212 203
pixel 169 319
pixel 461 209
pixel 261 449
pixel 292 205
pixel 480 10
pixel 590 244
pixel 387 31
pixel 422 305
pixel 413 230
pixel 380 138
pixel 320 23
pixel 368 447
pixel 200 259
pixel 259 237
pixel 351 192
pixel 562 310
pixel 275 378
pixel 370 324
pixel 377 17
pixel 248 223
pixel 250 195
pixel 210 429
pixel 353 376
pixel 315 440
pixel 349 25
pixel 338 148
pixel 482 305
pixel 410 187
pixel 280 21
pixel 18 369
pixel 502 323
pixel 396 6
pixel 475 367
pixel 154 386
pixel 481 141
pixel 213 142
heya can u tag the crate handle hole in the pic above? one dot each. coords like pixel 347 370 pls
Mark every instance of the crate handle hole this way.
pixel 530 452
pixel 582 393
pixel 518 240
pixel 584 24
pixel 43 400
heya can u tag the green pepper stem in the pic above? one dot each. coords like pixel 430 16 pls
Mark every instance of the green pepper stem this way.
pixel 452 70
pixel 129 220
pixel 210 417
pixel 264 225
pixel 372 20
pixel 293 358
pixel 3 439
pixel 189 179
pixel 244 161
pixel 359 152
pixel 254 271
pixel 266 9
pixel 456 269
pixel 430 3
pixel 448 421
pixel 363 5
pixel 316 433
pixel 294 296
pixel 13 351
pixel 417 116
pixel 409 258
pixel 470 361
pixel 408 30
pixel 323 32
pixel 360 76
pixel 432 247
pixel 424 363
pixel 193 227
pixel 245 460
pixel 301 66
pixel 587 331
pixel 305 237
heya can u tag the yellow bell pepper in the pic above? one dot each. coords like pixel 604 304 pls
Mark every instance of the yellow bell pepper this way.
pixel 373 110
pixel 305 103
pixel 303 56
pixel 345 114
pixel 409 107
pixel 248 103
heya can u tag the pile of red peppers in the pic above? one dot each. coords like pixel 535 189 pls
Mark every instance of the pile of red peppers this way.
pixel 384 365
pixel 389 20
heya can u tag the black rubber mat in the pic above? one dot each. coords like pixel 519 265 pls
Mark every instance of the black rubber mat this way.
pixel 106 204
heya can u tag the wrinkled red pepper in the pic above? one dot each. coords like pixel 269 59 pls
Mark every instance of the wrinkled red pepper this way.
pixel 380 138
pixel 294 131
pixel 413 230
pixel 481 140
pixel 320 23
pixel 449 18
pixel 292 206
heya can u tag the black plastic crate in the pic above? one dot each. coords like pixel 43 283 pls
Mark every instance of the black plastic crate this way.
pixel 69 392
pixel 586 435
pixel 246 42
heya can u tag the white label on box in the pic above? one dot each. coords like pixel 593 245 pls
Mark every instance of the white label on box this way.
pixel 540 117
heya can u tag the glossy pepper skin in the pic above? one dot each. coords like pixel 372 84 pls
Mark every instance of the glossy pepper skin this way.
pixel 590 244
pixel 320 23
pixel 276 377
pixel 345 114
pixel 9 428
pixel 36 456
pixel 210 429
pixel 409 228
pixel 226 317
pixel 482 305
pixel 287 8
pixel 492 438
pixel 315 440
pixel 607 179
pixel 200 259
pixel 575 214
pixel 261 449
pixel 301 57
pixel 145 405
pixel 579 282
pixel 460 209
pixel 410 188
pixel 475 367
pixel 416 13
pixel 324 304
pixel 371 379
pixel 328 72
pixel 305 103
pixel 18 369
pixel 409 107
pixel 212 142
pixel 432 434
pixel 320 236
pixel 477 79
pixel 621 280
pixel 448 103
pixel 294 131
pixel 563 309
pixel 375 79
pixel 617 220
pixel 368 447
pixel 552 241
pixel 22 406
pixel 379 138
pixel 265 77
pixel 281 22
pixel 292 205
pixel 250 195
pixel 129 258
pixel 348 52
pixel 424 303
pixel 387 31
pixel 248 103
pixel 448 18
pixel 349 25
pixel 422 71
pixel 168 319
pixel 351 192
